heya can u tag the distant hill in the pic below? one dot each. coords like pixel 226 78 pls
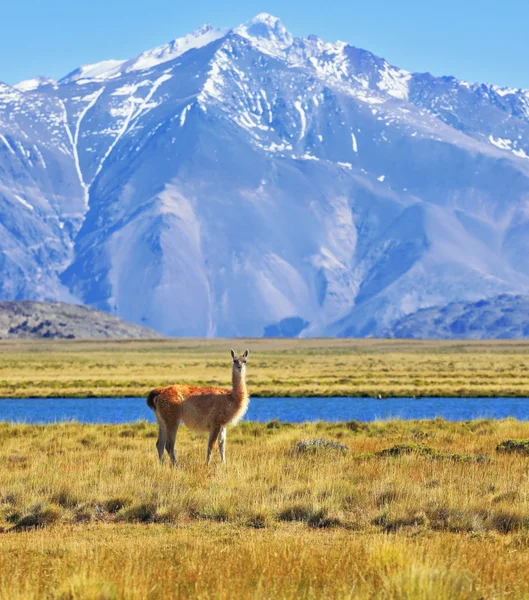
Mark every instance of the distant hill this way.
pixel 500 317
pixel 25 319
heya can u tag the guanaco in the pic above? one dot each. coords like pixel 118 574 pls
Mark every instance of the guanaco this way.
pixel 200 408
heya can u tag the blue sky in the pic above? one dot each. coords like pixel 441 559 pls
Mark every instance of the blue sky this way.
pixel 474 40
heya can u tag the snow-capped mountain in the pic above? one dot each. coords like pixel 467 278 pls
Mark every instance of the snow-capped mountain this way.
pixel 244 182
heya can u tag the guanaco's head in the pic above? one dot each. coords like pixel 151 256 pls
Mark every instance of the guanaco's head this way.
pixel 239 362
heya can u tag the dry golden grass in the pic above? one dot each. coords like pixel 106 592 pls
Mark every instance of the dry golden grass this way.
pixel 321 367
pixel 219 561
pixel 86 511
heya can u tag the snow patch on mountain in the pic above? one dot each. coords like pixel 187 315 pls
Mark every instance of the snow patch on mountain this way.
pixel 23 202
pixel 7 144
pixel 302 117
pixel 500 143
pixel 101 71
pixel 167 52
pixel 30 85
pixel 267 33
pixel 394 81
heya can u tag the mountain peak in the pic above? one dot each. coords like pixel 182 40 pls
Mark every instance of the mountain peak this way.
pixel 108 69
pixel 29 85
pixel 266 19
pixel 202 30
pixel 266 32
pixel 100 71
pixel 197 39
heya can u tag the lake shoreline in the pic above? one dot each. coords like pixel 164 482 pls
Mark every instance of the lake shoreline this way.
pixel 261 395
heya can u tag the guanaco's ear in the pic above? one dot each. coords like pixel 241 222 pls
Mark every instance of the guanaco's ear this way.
pixel 232 354
pixel 245 355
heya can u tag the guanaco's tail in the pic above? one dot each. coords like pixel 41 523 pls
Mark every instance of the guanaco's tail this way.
pixel 151 398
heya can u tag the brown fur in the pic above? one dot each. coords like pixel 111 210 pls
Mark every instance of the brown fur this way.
pixel 200 408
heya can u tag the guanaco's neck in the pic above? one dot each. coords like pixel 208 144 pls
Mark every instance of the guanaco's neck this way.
pixel 238 390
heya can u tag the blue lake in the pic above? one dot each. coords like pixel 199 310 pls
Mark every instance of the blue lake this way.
pixel 293 410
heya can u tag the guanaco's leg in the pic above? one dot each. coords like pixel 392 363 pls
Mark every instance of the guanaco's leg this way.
pixel 169 444
pixel 222 445
pixel 213 435
pixel 160 444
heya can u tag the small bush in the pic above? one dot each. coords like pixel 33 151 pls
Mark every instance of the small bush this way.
pixel 114 505
pixel 318 444
pixel 456 520
pixel 402 449
pixel 40 515
pixel 363 456
pixel 142 513
pixel 296 513
pixel 463 458
pixel 513 446
pixel 304 514
pixel 509 522
pixel 258 521
pixel 390 525
pixel 220 514
pixel 320 520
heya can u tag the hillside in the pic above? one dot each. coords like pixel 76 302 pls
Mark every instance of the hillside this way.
pixel 26 319
pixel 245 182
pixel 501 317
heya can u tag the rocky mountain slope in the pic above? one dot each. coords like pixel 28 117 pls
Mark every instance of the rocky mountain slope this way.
pixel 246 182
pixel 27 319
pixel 500 317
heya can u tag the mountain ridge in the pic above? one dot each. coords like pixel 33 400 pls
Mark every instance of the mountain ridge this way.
pixel 500 317
pixel 406 190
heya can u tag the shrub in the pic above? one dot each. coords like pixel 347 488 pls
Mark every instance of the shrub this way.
pixel 402 449
pixel 41 515
pixel 390 525
pixel 257 521
pixel 114 505
pixel 456 520
pixel 296 513
pixel 318 444
pixel 143 513
pixel 463 458
pixel 508 522
pixel 304 514
pixel 513 446
pixel 321 520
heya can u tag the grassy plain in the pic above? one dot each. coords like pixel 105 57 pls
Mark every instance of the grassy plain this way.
pixel 86 511
pixel 317 367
